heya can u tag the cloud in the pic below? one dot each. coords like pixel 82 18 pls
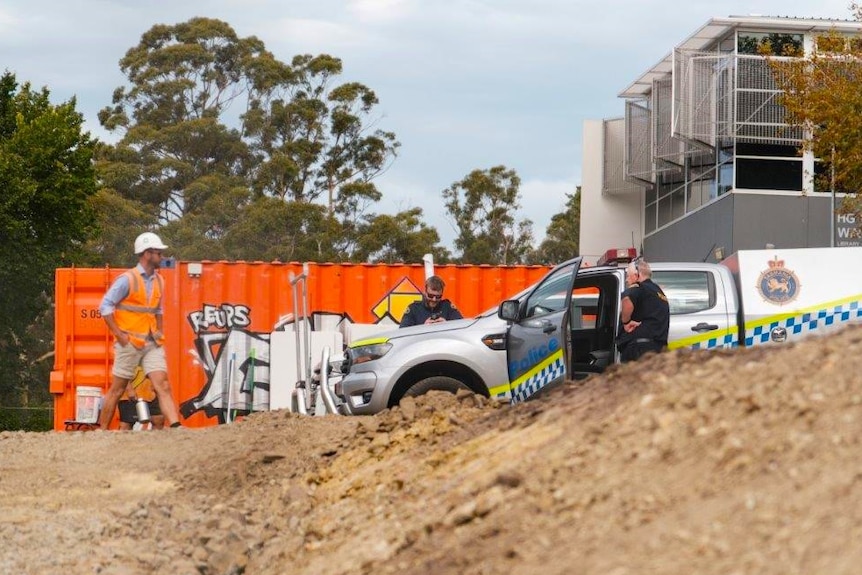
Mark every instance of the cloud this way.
pixel 289 36
pixel 8 24
pixel 379 11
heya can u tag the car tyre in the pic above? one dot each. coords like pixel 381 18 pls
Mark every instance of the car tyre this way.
pixel 435 382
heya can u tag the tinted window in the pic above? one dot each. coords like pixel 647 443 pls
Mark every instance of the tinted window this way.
pixel 686 291
pixel 774 44
pixel 768 174
pixel 551 295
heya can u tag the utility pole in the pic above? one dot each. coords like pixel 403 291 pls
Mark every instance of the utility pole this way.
pixel 832 201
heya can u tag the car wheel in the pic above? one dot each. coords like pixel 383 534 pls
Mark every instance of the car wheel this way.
pixel 436 382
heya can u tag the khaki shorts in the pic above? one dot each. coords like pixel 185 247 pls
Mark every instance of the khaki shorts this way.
pixel 127 358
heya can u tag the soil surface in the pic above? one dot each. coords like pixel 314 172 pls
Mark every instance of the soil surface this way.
pixel 733 463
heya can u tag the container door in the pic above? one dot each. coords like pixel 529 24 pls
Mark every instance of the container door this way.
pixel 538 346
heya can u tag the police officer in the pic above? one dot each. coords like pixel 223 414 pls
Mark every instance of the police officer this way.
pixel 432 308
pixel 645 313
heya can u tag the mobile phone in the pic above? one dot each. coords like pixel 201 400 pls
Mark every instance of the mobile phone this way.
pixel 435 316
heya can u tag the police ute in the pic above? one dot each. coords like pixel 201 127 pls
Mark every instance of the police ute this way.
pixel 565 326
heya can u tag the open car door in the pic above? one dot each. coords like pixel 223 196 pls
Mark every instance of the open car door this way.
pixel 538 344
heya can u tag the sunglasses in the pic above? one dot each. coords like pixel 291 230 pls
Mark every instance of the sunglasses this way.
pixel 434 295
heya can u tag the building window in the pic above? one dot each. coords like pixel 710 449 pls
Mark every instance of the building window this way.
pixel 763 174
pixel 650 218
pixel 769 44
pixel 768 167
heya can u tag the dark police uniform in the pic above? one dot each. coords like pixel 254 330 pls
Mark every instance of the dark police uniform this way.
pixel 418 312
pixel 652 310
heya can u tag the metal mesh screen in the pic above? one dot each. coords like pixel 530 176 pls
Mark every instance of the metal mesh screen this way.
pixel 718 96
pixel 703 84
pixel 613 167
pixel 638 147
pixel 667 148
pixel 759 116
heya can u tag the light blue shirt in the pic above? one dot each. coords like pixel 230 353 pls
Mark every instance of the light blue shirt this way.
pixel 119 291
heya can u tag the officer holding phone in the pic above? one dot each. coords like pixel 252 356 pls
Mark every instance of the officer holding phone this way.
pixel 432 308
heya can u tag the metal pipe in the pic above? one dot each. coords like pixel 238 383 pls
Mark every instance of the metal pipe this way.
pixel 307 332
pixel 325 391
pixel 230 366
pixel 293 280
pixel 303 363
pixel 299 394
pixel 832 203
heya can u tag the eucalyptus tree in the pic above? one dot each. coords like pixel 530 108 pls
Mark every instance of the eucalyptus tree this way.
pixel 483 208
pixel 402 237
pixel 205 107
pixel 562 236
pixel 183 79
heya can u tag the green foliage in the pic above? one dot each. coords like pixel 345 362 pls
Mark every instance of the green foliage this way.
pixel 46 216
pixel 562 236
pixel 301 138
pixel 483 207
pixel 26 418
pixel 399 238
pixel 271 229
pixel 821 94
pixel 119 221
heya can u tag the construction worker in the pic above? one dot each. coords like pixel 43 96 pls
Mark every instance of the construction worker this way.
pixel 132 309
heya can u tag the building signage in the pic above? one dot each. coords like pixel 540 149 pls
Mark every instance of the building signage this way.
pixel 847 232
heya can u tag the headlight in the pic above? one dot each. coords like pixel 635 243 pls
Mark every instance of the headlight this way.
pixel 370 352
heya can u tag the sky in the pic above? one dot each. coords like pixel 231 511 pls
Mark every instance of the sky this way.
pixel 464 84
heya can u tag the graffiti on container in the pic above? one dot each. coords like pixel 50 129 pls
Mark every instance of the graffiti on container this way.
pixel 235 361
pixel 224 316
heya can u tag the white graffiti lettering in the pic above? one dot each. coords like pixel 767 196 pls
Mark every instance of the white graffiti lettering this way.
pixel 224 316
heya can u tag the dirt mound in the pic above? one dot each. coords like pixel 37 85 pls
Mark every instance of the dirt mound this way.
pixel 686 462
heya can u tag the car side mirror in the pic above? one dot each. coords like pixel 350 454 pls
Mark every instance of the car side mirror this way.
pixel 508 310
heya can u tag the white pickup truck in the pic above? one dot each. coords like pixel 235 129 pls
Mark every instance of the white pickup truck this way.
pixel 565 326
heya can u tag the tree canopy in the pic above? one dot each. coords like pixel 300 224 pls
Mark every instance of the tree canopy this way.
pixel 483 207
pixel 821 94
pixel 47 182
pixel 212 124
pixel 562 238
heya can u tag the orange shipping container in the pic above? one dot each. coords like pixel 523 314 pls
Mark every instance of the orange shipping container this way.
pixel 218 317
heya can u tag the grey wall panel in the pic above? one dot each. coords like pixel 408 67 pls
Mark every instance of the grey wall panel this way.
pixel 743 221
pixel 778 220
pixel 693 238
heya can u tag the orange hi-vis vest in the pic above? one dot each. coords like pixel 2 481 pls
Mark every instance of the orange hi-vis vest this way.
pixel 136 315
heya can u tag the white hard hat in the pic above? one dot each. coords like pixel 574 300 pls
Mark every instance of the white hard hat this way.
pixel 148 241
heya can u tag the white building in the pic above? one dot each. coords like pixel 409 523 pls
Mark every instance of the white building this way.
pixel 702 159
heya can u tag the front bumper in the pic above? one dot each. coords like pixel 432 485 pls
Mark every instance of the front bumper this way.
pixel 358 393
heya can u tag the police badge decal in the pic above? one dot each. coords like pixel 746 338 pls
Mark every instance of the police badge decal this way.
pixel 777 284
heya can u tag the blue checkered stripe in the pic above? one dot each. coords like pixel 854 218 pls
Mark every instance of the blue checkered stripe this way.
pixel 804 323
pixel 728 340
pixel 539 377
